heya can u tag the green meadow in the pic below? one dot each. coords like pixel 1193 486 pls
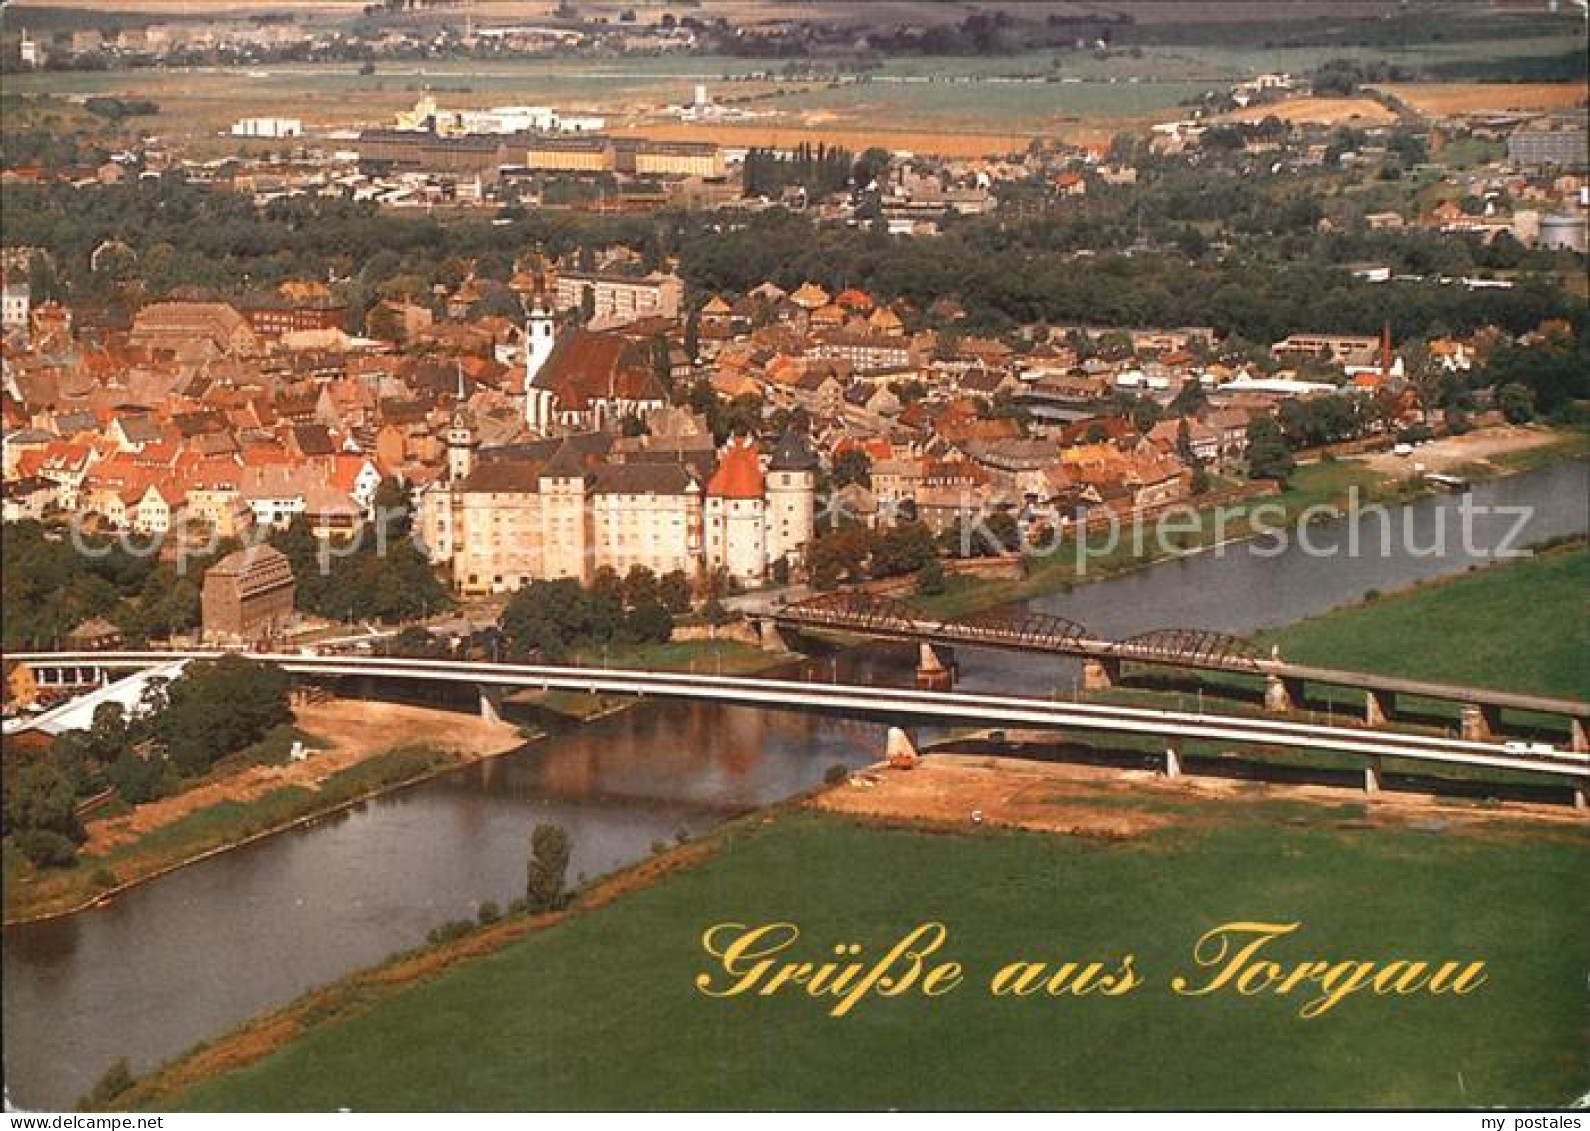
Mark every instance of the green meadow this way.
pixel 601 1010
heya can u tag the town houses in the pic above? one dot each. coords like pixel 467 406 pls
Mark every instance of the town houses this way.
pixel 591 412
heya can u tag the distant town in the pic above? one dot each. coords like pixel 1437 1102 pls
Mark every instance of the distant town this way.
pixel 552 414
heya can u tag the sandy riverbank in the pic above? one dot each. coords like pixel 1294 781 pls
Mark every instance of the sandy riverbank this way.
pixel 346 732
pixel 1057 797
pixel 1474 448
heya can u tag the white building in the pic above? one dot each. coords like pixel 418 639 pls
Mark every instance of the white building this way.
pixel 268 127
pixel 15 304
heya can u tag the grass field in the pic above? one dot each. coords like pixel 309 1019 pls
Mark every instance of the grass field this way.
pixel 599 1011
pixel 1521 626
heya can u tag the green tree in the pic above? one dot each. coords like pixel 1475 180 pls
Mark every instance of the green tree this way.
pixel 673 590
pixel 1269 457
pixel 693 335
pixel 217 707
pixel 138 779
pixel 1517 402
pixel 649 623
pixel 548 869
pixel 41 813
pixel 904 548
pixel 639 587
pixel 852 466
pixel 392 507
pixel 1184 445
pixel 930 578
pixel 839 555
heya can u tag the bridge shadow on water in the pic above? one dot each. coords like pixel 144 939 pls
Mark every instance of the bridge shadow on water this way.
pixel 1341 772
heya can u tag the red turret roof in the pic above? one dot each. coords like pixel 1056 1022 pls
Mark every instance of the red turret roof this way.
pixel 739 475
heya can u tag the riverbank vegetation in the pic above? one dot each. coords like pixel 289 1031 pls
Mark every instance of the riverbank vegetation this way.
pixel 181 729
pixel 538 1018
pixel 551 619
pixel 51 587
pixel 1222 517
pixel 34 893
pixel 1522 625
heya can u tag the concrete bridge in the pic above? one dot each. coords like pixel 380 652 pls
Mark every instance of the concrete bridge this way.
pixel 1173 728
pixel 882 618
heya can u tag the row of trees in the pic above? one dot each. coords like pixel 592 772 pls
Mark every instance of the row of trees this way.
pixel 821 169
pixel 51 587
pixel 380 576
pixel 852 552
pixel 1282 274
pixel 553 618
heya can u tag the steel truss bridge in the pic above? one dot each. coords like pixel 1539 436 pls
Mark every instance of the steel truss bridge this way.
pixel 880 617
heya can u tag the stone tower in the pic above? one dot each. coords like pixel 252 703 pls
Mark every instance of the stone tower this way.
pixel 735 518
pixel 791 499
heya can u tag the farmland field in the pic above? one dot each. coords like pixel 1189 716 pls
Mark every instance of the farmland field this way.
pixel 956 105
pixel 1326 111
pixel 1469 97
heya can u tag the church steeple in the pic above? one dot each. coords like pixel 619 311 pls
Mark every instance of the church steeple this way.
pixel 539 338
pixel 462 441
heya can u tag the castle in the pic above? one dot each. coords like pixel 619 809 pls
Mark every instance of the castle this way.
pixel 567 506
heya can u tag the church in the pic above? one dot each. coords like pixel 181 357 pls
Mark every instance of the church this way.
pixel 579 380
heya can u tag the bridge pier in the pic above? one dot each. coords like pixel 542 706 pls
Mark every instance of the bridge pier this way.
pixel 1378 707
pixel 1100 674
pixel 490 703
pixel 1282 693
pixel 1579 735
pixel 1173 747
pixel 899 751
pixel 1480 722
pixel 772 637
pixel 1372 775
pixel 935 668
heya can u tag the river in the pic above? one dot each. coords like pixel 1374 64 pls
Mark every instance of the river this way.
pixel 189 955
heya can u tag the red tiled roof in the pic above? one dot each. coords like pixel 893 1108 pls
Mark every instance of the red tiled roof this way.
pixel 587 365
pixel 739 475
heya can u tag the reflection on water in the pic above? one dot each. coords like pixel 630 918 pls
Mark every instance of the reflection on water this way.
pixel 198 951
pixel 195 952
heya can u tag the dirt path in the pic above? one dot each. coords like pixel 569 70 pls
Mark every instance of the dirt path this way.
pixel 347 731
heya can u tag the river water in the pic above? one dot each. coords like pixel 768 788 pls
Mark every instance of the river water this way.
pixel 196 952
